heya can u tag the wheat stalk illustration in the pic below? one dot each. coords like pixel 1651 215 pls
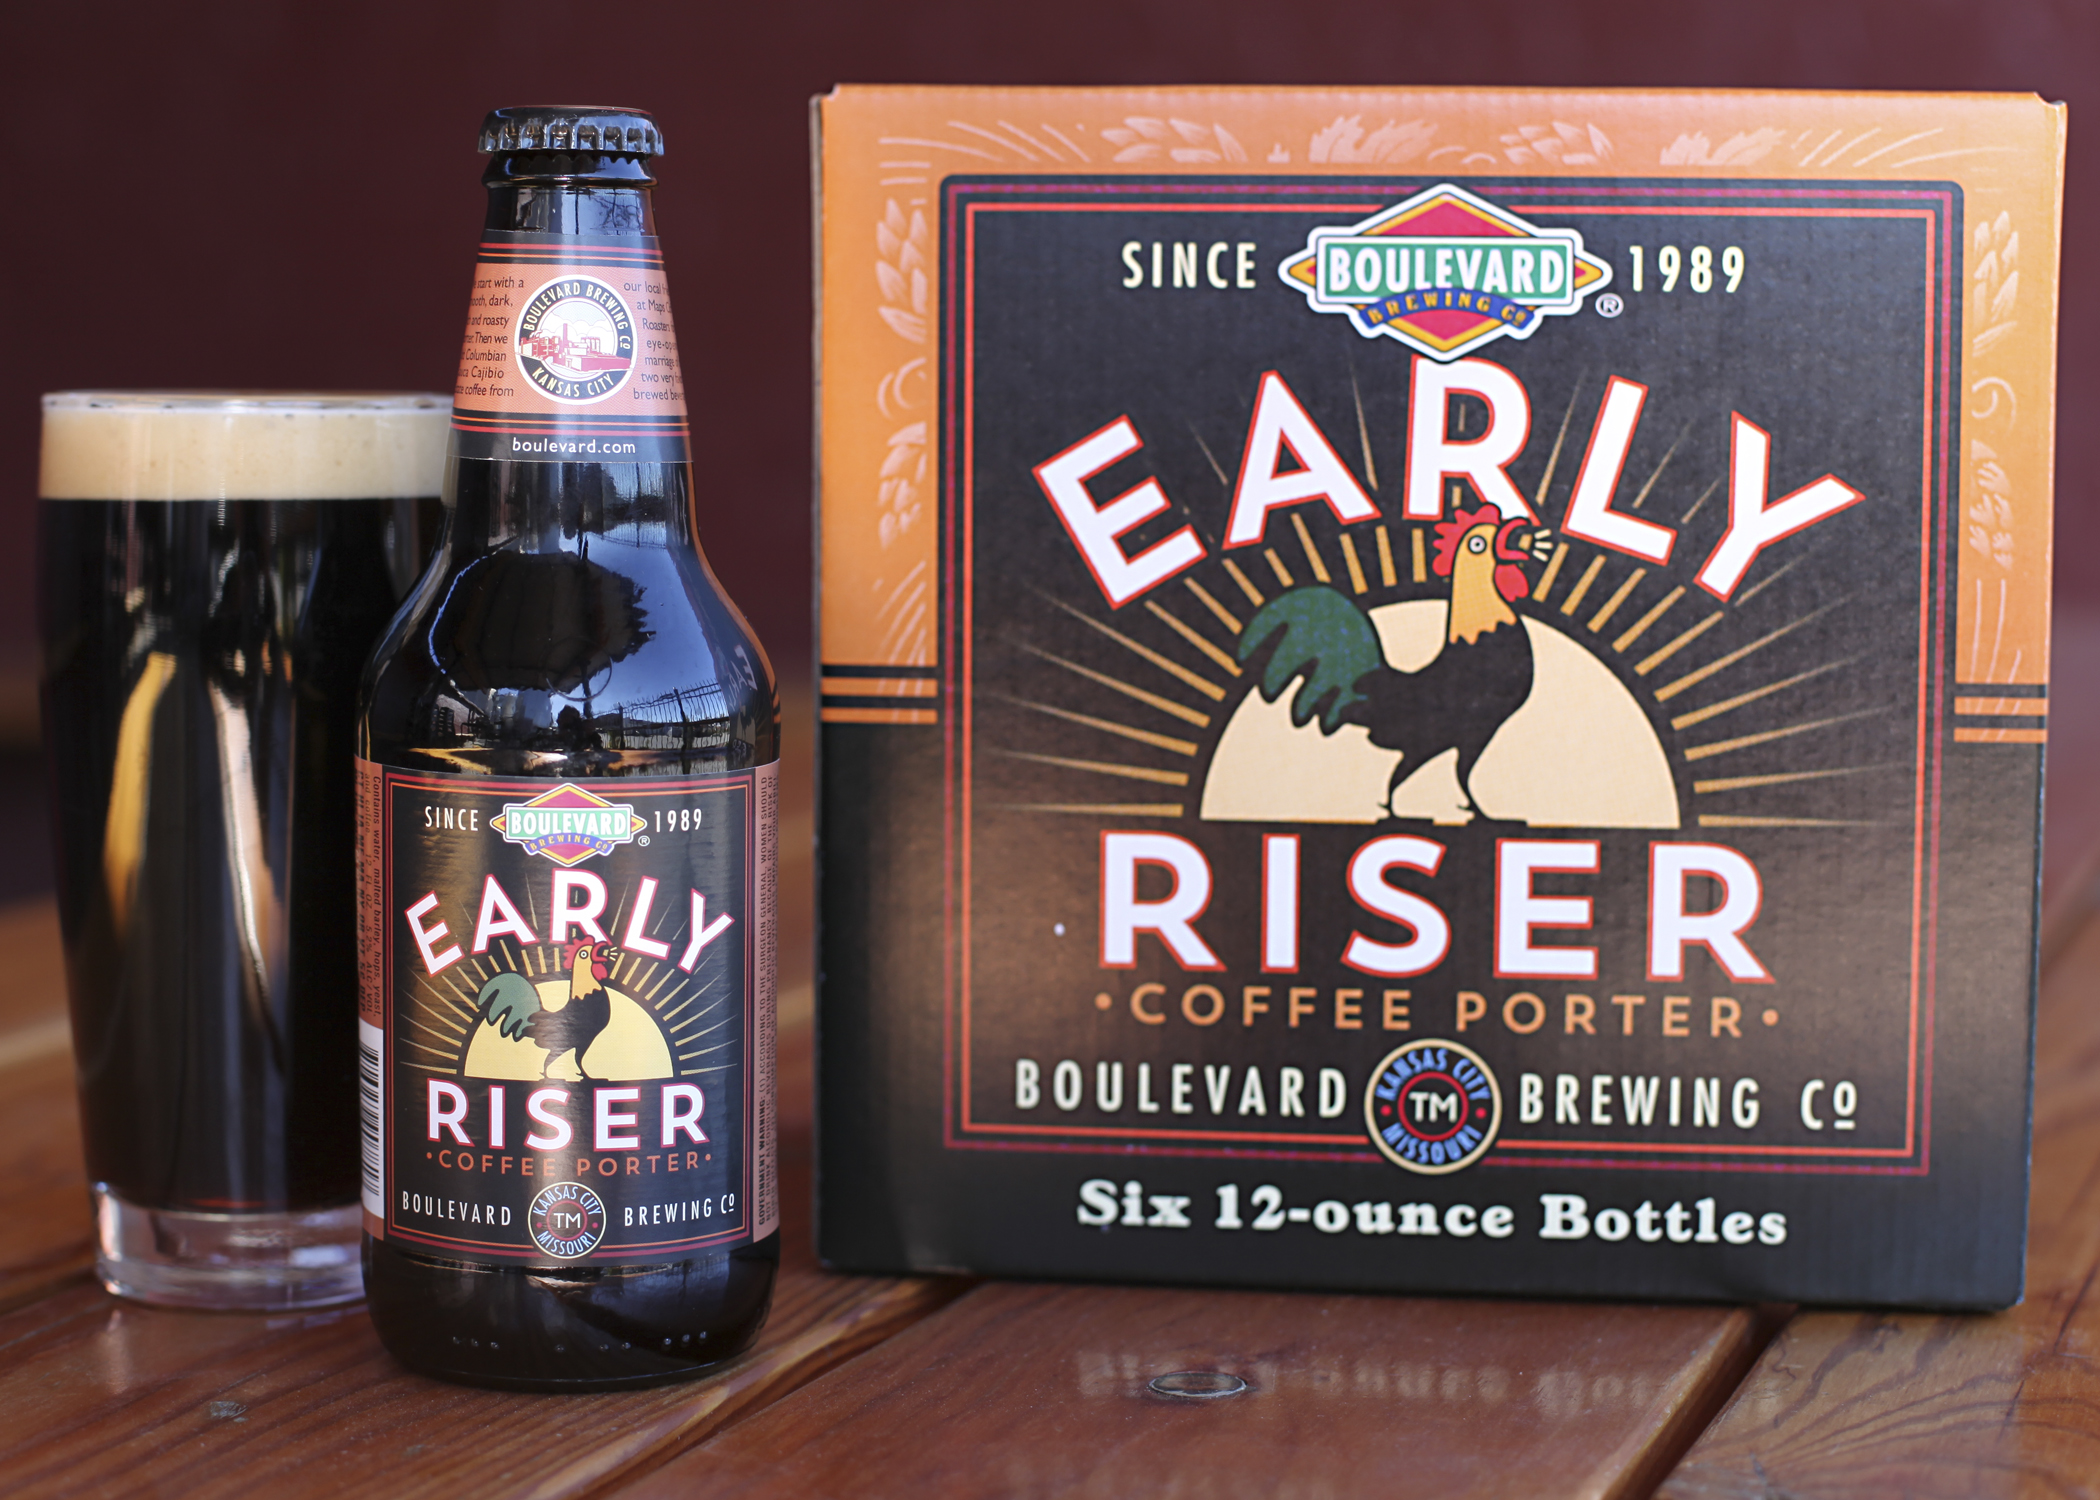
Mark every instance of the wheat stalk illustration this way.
pixel 1142 138
pixel 1989 513
pixel 1559 144
pixel 1994 292
pixel 1696 149
pixel 1346 141
pixel 901 244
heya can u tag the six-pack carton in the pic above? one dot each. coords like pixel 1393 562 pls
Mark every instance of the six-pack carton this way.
pixel 1434 689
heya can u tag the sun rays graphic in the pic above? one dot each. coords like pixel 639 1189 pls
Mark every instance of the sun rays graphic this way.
pixel 687 1010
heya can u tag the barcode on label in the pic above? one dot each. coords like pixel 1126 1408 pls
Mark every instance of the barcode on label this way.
pixel 371 1102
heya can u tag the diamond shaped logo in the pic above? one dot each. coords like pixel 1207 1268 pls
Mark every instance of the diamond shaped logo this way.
pixel 1445 272
pixel 568 824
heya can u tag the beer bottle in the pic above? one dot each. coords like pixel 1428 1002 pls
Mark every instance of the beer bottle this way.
pixel 568 748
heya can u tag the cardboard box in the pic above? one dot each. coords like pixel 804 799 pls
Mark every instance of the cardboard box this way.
pixel 1435 690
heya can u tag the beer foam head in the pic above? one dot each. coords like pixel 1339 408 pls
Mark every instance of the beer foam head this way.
pixel 230 445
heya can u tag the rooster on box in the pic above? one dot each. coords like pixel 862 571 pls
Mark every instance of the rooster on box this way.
pixel 511 1003
pixel 1479 677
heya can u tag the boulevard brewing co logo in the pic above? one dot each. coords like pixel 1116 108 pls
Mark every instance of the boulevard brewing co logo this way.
pixel 1433 1107
pixel 576 340
pixel 1445 273
pixel 568 825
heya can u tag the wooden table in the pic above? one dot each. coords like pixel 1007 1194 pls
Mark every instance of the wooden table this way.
pixel 864 1386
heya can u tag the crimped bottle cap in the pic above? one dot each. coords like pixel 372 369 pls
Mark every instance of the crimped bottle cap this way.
pixel 571 127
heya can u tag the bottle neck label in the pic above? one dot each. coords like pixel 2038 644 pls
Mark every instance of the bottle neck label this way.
pixel 569 354
pixel 566 1015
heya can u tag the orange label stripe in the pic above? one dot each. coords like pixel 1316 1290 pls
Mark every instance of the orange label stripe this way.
pixel 2024 707
pixel 882 687
pixel 879 716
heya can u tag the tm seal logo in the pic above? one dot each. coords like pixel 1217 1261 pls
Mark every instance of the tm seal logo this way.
pixel 1445 272
pixel 1433 1107
pixel 576 340
pixel 566 1220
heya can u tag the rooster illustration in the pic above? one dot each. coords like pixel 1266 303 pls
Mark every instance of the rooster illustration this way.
pixel 1479 677
pixel 511 1003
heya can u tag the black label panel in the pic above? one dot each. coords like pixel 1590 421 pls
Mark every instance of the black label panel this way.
pixel 568 1014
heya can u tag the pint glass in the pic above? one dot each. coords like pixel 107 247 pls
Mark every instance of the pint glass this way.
pixel 214 569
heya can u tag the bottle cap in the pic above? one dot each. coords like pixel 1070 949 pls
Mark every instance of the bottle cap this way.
pixel 572 127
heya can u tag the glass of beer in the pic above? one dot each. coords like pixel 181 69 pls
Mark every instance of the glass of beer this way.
pixel 214 569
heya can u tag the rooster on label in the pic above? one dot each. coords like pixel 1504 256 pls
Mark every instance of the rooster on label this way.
pixel 512 1004
pixel 1479 677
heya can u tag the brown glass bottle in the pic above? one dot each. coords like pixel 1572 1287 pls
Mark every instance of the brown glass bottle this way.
pixel 568 634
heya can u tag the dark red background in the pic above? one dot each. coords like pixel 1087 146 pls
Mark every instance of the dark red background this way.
pixel 256 194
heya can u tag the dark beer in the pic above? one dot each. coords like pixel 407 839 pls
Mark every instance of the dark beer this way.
pixel 214 570
pixel 568 752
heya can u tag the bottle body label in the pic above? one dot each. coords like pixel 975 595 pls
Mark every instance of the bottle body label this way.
pixel 569 355
pixel 567 1014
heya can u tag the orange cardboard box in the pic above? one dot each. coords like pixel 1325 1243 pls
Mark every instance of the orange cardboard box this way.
pixel 1434 689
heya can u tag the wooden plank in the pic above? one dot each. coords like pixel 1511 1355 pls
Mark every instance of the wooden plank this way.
pixel 100 1392
pixel 1032 1389
pixel 46 1232
pixel 96 1390
pixel 1864 1404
